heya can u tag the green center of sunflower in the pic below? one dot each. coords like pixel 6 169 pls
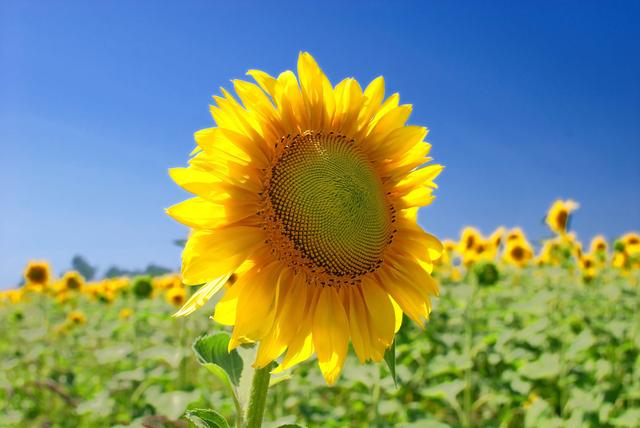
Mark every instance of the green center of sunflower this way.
pixel 328 201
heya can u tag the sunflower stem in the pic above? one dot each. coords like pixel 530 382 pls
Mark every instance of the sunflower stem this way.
pixel 468 327
pixel 258 396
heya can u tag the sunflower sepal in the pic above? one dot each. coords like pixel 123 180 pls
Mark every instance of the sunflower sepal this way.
pixel 390 360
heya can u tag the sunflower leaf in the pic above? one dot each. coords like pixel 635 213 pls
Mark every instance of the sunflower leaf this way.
pixel 206 418
pixel 211 349
pixel 390 359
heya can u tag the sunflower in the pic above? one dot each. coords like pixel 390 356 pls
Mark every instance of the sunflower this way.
pixel 588 266
pixel 37 275
pixel 72 281
pixel 515 234
pixel 176 296
pixel 518 253
pixel 166 282
pixel 309 193
pixel 497 237
pixel 631 242
pixel 559 214
pixel 598 244
pixel 76 318
pixel 11 296
pixel 449 248
pixel 125 313
pixel 469 239
pixel 548 254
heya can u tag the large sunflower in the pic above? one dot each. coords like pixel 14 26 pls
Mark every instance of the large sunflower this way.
pixel 308 194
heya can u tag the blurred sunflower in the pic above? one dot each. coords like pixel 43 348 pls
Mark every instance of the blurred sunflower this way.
pixel 125 313
pixel 72 281
pixel 515 234
pixel 469 239
pixel 559 214
pixel 166 282
pixel 598 244
pixel 11 296
pixel 312 191
pixel 76 318
pixel 497 237
pixel 631 242
pixel 176 296
pixel 518 253
pixel 588 267
pixel 448 253
pixel 37 275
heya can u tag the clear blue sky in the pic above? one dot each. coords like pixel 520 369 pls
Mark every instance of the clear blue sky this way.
pixel 525 102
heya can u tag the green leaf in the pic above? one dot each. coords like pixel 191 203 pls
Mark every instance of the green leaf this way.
pixel 447 391
pixel 627 419
pixel 291 426
pixel 390 359
pixel 545 367
pixel 171 404
pixel 212 350
pixel 206 418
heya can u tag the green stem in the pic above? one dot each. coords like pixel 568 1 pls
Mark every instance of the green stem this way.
pixel 258 397
pixel 468 327
pixel 375 399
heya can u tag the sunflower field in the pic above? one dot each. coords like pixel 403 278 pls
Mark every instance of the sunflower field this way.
pixel 515 339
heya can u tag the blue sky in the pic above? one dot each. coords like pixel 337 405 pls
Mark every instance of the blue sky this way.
pixel 525 102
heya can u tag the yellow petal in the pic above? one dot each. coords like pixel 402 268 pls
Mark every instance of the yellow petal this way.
pixel 373 94
pixel 393 143
pixel 316 90
pixel 420 177
pixel 292 307
pixel 300 349
pixel 266 82
pixel 199 213
pixel 330 334
pixel 359 325
pixel 381 314
pixel 225 311
pixel 211 254
pixel 256 304
pixel 397 310
pixel 288 98
pixel 202 296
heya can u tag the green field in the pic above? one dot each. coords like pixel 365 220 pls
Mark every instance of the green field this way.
pixel 537 349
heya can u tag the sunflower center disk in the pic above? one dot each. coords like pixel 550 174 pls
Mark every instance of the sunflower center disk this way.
pixel 328 201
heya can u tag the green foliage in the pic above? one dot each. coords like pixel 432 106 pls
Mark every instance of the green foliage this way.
pixel 390 359
pixel 536 349
pixel 206 418
pixel 211 349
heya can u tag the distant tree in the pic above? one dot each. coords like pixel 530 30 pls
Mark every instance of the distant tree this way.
pixel 114 272
pixel 79 264
pixel 155 270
